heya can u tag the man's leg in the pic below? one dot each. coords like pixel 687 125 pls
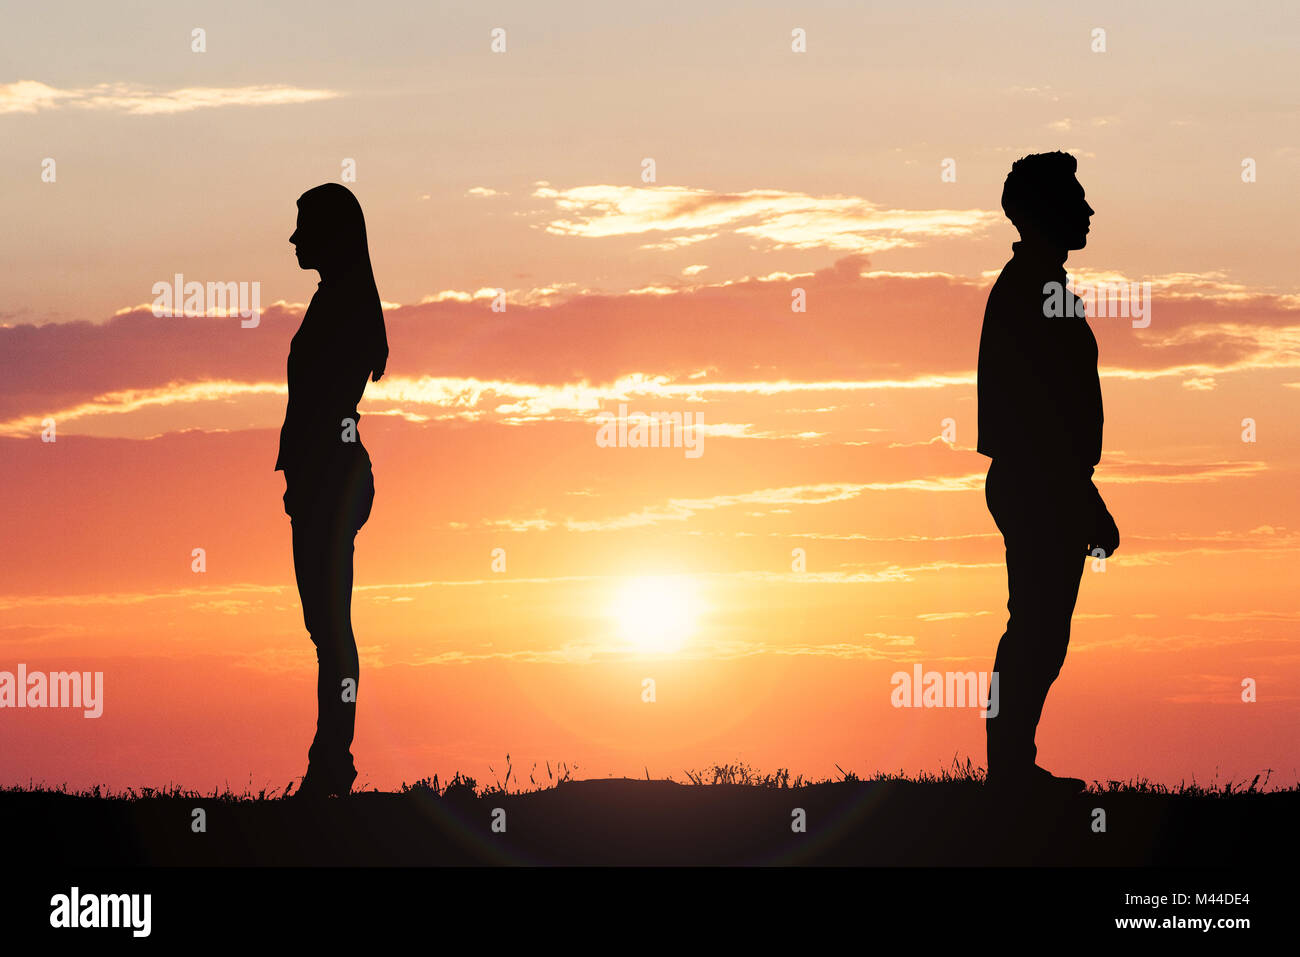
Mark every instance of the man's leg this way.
pixel 1043 586
pixel 1044 565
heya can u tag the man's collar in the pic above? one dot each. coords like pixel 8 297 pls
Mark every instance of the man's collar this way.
pixel 1039 255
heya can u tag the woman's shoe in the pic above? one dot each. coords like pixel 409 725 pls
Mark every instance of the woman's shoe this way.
pixel 318 784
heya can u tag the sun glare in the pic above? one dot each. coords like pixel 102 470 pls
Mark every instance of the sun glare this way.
pixel 656 614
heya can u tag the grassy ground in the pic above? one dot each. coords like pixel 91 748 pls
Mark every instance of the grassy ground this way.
pixel 728 814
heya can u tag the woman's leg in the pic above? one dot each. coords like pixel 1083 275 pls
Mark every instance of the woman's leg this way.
pixel 324 531
pixel 323 558
pixel 318 559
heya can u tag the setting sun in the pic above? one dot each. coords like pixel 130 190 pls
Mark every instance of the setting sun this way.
pixel 656 614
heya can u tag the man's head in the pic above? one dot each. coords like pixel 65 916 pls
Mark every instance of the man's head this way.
pixel 1045 202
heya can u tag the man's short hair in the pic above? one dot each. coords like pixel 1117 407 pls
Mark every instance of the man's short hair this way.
pixel 1033 180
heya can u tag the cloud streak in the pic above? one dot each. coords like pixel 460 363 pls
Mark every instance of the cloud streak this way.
pixel 32 96
pixel 781 218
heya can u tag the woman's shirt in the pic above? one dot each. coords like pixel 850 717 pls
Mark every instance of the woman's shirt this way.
pixel 327 373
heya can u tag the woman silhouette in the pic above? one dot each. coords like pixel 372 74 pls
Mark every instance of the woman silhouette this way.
pixel 329 486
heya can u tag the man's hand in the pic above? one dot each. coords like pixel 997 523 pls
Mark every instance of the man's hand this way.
pixel 1105 533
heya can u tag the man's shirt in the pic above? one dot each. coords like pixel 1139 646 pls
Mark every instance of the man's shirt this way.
pixel 1039 393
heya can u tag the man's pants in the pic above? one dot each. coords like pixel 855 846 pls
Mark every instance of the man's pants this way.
pixel 1045 523
pixel 326 511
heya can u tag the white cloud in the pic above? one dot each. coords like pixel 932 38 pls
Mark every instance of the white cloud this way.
pixel 31 96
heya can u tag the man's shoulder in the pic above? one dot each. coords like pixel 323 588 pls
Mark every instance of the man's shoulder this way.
pixel 1020 285
pixel 1004 288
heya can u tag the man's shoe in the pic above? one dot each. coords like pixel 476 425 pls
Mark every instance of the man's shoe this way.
pixel 1059 783
pixel 1033 779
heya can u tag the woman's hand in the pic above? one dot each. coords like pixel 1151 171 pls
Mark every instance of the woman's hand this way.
pixel 1105 533
pixel 288 488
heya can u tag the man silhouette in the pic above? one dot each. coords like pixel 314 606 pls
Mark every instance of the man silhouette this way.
pixel 1040 421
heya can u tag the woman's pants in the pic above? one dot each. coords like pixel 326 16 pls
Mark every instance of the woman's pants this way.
pixel 326 508
pixel 1045 521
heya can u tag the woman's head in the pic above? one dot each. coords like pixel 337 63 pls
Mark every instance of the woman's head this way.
pixel 331 237
pixel 331 232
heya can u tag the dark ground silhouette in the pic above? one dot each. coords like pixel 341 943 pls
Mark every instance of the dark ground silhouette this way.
pixel 947 822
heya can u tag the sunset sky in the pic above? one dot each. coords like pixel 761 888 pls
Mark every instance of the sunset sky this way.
pixel 822 430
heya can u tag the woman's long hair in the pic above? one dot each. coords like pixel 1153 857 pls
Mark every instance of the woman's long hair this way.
pixel 334 215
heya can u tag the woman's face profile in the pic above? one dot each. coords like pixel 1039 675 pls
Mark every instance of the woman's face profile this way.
pixel 305 244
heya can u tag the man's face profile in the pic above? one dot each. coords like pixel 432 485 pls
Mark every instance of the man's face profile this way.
pixel 1062 217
